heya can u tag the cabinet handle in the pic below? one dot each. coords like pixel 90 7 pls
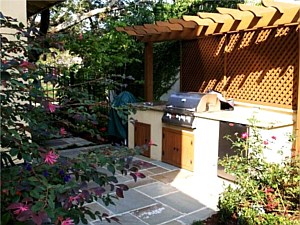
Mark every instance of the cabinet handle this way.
pixel 191 161
pixel 174 149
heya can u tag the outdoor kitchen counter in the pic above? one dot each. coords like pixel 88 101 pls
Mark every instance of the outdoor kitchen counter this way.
pixel 265 119
pixel 159 106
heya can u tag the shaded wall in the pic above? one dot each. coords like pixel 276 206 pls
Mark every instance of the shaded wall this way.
pixel 259 67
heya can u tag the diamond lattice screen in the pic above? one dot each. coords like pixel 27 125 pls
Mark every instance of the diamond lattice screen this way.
pixel 259 67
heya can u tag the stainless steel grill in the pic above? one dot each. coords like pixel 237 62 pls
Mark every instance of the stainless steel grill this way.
pixel 181 107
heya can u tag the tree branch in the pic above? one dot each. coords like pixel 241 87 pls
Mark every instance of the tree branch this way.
pixel 78 19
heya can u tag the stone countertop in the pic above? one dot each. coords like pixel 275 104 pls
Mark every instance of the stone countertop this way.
pixel 156 106
pixel 267 119
pixel 263 118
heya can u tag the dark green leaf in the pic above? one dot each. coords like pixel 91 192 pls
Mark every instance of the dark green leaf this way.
pixel 111 168
pixel 37 206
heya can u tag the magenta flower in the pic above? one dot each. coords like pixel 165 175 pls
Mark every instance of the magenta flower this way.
pixel 80 36
pixel 51 107
pixel 266 142
pixel 274 137
pixel 51 157
pixel 27 65
pixel 68 221
pixel 74 199
pixel 62 131
pixel 245 135
pixel 18 208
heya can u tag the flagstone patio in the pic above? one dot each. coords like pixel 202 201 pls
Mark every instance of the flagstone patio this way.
pixel 167 195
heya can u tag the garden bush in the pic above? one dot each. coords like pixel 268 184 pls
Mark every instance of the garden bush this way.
pixel 263 192
pixel 38 185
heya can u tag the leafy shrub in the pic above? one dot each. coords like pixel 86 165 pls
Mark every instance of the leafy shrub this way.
pixel 263 192
pixel 37 184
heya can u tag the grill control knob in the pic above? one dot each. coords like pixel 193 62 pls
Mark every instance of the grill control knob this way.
pixel 188 119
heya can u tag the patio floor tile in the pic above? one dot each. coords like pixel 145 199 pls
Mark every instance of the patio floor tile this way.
pixel 125 219
pixel 181 202
pixel 156 214
pixel 132 200
pixel 196 216
pixel 156 189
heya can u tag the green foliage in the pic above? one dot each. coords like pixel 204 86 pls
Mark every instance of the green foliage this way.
pixel 264 192
pixel 166 64
pixel 105 51
pixel 37 184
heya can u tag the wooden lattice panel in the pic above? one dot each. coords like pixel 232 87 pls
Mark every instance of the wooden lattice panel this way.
pixel 258 67
pixel 261 68
pixel 202 64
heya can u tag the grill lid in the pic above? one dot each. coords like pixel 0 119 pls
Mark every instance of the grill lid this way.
pixel 184 100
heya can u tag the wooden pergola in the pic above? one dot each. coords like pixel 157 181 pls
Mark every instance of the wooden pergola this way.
pixel 246 17
pixel 37 6
pixel 270 15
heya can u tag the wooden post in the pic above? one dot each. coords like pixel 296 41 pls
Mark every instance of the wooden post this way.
pixel 297 126
pixel 148 71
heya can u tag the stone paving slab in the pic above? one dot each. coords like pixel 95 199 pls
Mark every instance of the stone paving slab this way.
pixel 156 214
pixel 157 170
pixel 198 215
pixel 132 200
pixel 64 143
pixel 157 189
pixel 149 201
pixel 165 165
pixel 173 222
pixel 96 207
pixel 170 176
pixel 124 219
pixel 140 182
pixel 181 202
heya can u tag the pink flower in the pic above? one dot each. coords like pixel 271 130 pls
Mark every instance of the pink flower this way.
pixel 245 135
pixel 62 131
pixel 18 208
pixel 51 157
pixel 74 199
pixel 3 82
pixel 51 107
pixel 231 124
pixel 27 65
pixel 268 190
pixel 102 129
pixel 80 36
pixel 266 142
pixel 274 137
pixel 68 221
